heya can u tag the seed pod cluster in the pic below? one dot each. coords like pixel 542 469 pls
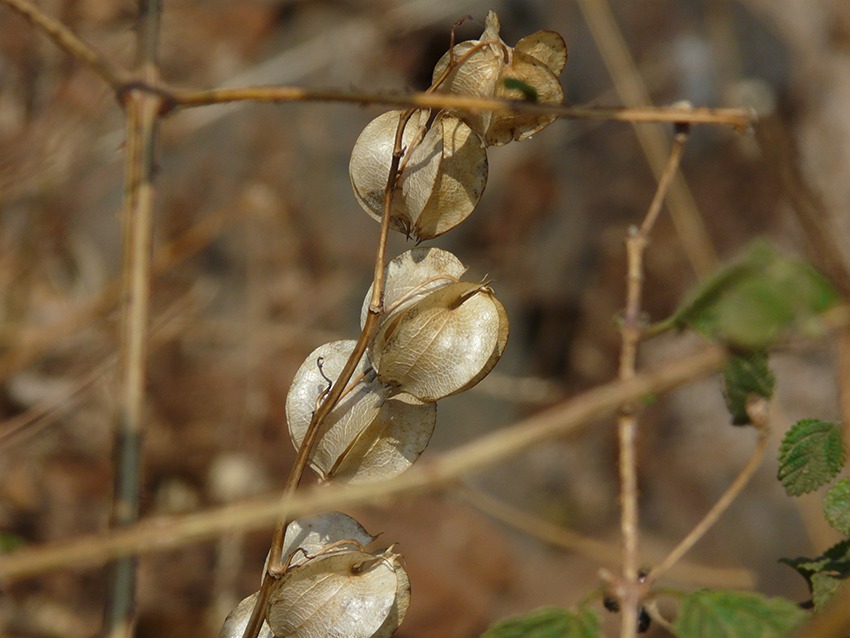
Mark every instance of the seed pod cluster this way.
pixel 436 335
pixel 490 68
pixel 444 166
pixel 329 574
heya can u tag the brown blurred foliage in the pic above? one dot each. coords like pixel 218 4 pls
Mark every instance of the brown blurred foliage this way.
pixel 264 254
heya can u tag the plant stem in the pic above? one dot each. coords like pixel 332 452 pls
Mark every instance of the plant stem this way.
pixel 142 112
pixel 311 437
pixel 602 552
pixel 632 91
pixel 739 119
pixel 165 532
pixel 719 507
pixel 630 590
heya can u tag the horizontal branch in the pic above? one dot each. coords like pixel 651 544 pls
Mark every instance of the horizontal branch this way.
pixel 168 532
pixel 739 119
pixel 121 82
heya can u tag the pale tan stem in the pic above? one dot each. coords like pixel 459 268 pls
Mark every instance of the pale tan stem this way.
pixel 739 119
pixel 719 507
pixel 142 110
pixel 602 552
pixel 632 91
pixel 161 533
pixel 311 436
pixel 631 588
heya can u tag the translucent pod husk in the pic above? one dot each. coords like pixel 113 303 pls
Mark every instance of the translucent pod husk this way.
pixel 412 275
pixel 346 593
pixel 484 65
pixel 355 410
pixel 442 344
pixel 309 535
pixel 443 173
pixel 390 444
pixel 369 435
pixel 237 620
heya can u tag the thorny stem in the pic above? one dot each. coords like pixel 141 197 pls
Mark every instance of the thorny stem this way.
pixel 758 415
pixel 630 589
pixel 311 437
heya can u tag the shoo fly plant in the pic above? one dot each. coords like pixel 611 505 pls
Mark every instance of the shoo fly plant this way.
pixel 426 334
pixel 361 411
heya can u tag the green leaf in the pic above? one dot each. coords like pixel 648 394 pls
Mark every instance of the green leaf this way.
pixel 836 559
pixel 824 587
pixel 548 622
pixel 732 614
pixel 745 375
pixel 836 506
pixel 757 299
pixel 811 454
pixel 825 573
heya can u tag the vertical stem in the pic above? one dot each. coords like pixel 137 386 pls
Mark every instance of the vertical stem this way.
pixel 630 590
pixel 311 437
pixel 632 91
pixel 141 113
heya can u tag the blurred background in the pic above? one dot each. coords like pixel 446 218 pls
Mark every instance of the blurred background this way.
pixel 262 254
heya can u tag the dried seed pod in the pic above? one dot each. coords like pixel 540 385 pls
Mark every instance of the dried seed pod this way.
pixel 412 275
pixel 390 444
pixel 312 534
pixel 367 436
pixel 490 68
pixel 443 343
pixel 355 410
pixel 237 620
pixel 345 593
pixel 443 172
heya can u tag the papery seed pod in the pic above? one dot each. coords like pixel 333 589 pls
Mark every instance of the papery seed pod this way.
pixel 412 275
pixel 237 620
pixel 390 444
pixel 401 604
pixel 367 436
pixel 484 65
pixel 353 413
pixel 349 594
pixel 309 535
pixel 443 173
pixel 444 343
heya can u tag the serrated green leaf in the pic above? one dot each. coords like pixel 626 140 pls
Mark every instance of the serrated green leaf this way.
pixel 824 587
pixel 832 565
pixel 745 375
pixel 811 454
pixel 732 614
pixel 836 506
pixel 548 622
pixel 835 559
pixel 757 299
